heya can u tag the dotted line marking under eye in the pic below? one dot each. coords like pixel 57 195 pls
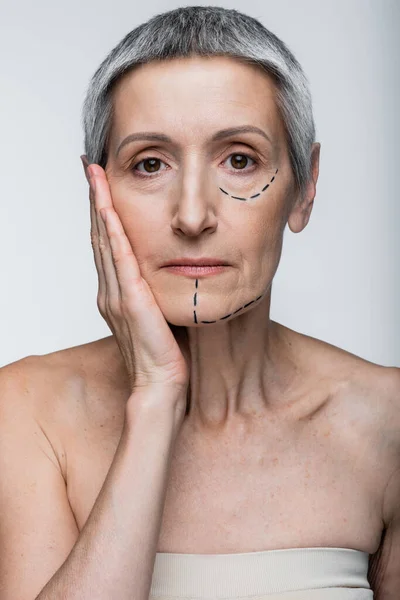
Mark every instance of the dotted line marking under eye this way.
pixel 255 195
pixel 197 281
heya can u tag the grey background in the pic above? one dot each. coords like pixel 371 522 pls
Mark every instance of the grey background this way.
pixel 338 280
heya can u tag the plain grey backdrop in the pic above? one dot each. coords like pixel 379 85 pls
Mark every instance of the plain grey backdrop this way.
pixel 338 280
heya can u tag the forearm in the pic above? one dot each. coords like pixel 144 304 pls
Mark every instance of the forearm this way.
pixel 115 552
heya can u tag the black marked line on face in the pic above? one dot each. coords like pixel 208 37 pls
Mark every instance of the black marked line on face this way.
pixel 255 195
pixel 226 316
pixel 197 281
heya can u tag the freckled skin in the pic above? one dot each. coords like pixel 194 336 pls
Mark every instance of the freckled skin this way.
pixel 182 211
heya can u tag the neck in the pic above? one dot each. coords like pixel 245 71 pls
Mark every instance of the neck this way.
pixel 240 370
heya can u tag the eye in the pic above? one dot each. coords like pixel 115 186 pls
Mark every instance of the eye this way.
pixel 152 162
pixel 241 161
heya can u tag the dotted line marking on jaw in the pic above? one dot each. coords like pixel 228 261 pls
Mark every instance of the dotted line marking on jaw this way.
pixel 226 316
pixel 255 195
pixel 197 281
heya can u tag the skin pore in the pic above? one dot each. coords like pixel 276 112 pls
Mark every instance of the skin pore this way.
pixel 182 198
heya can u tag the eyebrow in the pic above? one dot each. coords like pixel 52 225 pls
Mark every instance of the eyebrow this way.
pixel 218 136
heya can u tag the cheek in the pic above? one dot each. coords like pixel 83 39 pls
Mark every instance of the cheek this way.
pixel 145 230
pixel 259 228
pixel 259 222
pixel 140 212
pixel 140 232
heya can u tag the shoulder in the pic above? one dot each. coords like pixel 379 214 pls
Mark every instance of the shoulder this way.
pixel 362 392
pixel 33 390
pixel 325 359
pixel 370 394
pixel 58 389
pixel 39 382
pixel 367 399
pixel 321 360
pixel 389 387
pixel 48 378
pixel 384 564
pixel 30 382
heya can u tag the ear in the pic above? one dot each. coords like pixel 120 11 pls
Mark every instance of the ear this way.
pixel 302 207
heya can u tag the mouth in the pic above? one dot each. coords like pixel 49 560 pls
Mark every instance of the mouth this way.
pixel 197 262
pixel 196 270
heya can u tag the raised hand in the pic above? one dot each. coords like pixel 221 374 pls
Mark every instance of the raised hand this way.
pixel 147 343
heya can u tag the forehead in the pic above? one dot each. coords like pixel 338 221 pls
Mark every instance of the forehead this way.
pixel 195 95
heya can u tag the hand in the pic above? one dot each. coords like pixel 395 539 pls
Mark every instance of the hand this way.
pixel 151 353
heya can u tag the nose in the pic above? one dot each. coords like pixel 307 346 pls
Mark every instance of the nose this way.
pixel 196 209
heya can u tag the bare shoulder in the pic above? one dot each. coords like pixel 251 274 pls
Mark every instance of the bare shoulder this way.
pixel 368 400
pixel 363 394
pixel 327 360
pixel 42 403
pixel 384 564
pixel 67 391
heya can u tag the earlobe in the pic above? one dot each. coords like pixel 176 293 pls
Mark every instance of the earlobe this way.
pixel 300 214
pixel 296 222
pixel 301 211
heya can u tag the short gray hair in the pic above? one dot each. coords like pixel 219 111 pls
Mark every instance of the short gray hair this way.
pixel 205 31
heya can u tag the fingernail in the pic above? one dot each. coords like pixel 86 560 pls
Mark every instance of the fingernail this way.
pixel 85 166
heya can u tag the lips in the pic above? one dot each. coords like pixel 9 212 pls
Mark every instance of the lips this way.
pixel 196 262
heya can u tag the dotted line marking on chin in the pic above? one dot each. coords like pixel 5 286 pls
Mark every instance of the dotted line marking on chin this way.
pixel 226 316
pixel 255 195
pixel 197 281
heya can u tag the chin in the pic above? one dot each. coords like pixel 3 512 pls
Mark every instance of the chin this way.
pixel 195 319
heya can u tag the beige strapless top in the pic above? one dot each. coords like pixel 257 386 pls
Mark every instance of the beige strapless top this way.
pixel 288 574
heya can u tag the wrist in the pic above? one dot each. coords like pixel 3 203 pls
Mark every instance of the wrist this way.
pixel 158 403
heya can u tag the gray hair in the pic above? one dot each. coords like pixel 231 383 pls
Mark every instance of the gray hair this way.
pixel 205 31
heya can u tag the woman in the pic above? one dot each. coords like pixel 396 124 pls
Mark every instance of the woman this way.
pixel 202 450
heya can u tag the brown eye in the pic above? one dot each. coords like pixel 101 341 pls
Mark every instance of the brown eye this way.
pixel 239 162
pixel 153 163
